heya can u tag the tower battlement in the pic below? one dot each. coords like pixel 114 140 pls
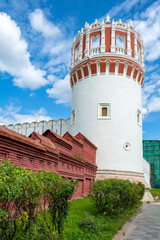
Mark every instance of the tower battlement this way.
pixel 107 48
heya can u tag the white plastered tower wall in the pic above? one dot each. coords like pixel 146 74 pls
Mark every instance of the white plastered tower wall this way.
pixel 109 76
pixel 110 135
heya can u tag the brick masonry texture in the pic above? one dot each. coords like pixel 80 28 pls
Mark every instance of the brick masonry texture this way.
pixel 70 156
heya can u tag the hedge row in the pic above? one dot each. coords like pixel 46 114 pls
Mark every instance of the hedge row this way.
pixel 113 196
pixel 31 199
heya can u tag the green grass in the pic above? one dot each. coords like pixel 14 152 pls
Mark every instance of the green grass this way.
pixel 100 226
pixel 155 191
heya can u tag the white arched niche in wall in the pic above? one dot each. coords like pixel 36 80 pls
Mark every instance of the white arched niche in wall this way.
pixel 120 44
pixel 95 45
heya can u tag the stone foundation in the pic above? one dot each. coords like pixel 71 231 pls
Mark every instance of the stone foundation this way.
pixel 132 176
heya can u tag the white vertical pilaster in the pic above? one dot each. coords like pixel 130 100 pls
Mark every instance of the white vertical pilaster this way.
pixel 82 72
pixel 76 75
pixel 135 45
pixel 80 45
pixel 98 68
pixel 87 40
pixel 125 69
pixel 89 69
pixel 113 37
pixel 128 40
pixel 142 54
pixel 72 54
pixel 103 47
pixel 116 67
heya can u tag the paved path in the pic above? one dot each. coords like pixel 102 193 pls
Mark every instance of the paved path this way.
pixel 146 225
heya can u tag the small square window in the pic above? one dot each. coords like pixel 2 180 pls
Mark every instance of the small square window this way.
pixel 104 111
pixel 73 116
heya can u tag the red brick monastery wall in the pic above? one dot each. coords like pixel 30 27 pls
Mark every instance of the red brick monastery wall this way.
pixel 70 156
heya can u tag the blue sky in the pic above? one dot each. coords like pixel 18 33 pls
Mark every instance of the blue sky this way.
pixel 35 43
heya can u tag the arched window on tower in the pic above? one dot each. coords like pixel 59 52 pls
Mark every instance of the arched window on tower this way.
pixel 120 44
pixel 95 45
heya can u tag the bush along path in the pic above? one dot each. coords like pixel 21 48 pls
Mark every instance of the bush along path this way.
pixel 32 205
pixel 111 204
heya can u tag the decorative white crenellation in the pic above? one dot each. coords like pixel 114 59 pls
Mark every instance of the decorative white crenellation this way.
pixel 130 23
pixel 59 126
pixel 108 19
pixel 89 52
pixel 120 21
pixel 128 40
pixel 135 44
pixel 103 37
pixel 113 37
pixel 87 39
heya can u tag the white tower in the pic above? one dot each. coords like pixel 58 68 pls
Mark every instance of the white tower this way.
pixel 107 74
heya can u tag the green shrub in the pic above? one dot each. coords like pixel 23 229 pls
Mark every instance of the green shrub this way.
pixel 113 196
pixel 23 194
pixel 56 193
pixel 20 193
pixel 88 223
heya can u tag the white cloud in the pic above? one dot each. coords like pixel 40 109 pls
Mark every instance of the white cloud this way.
pixel 144 111
pixel 30 78
pixel 57 43
pixel 148 25
pixel 14 57
pixel 154 104
pixel 51 78
pixel 57 47
pixel 41 24
pixel 10 115
pixel 150 68
pixel 32 94
pixel 125 6
pixel 61 90
pixel 151 94
pixel 149 88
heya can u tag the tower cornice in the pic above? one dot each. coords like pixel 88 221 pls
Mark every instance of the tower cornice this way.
pixel 107 64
